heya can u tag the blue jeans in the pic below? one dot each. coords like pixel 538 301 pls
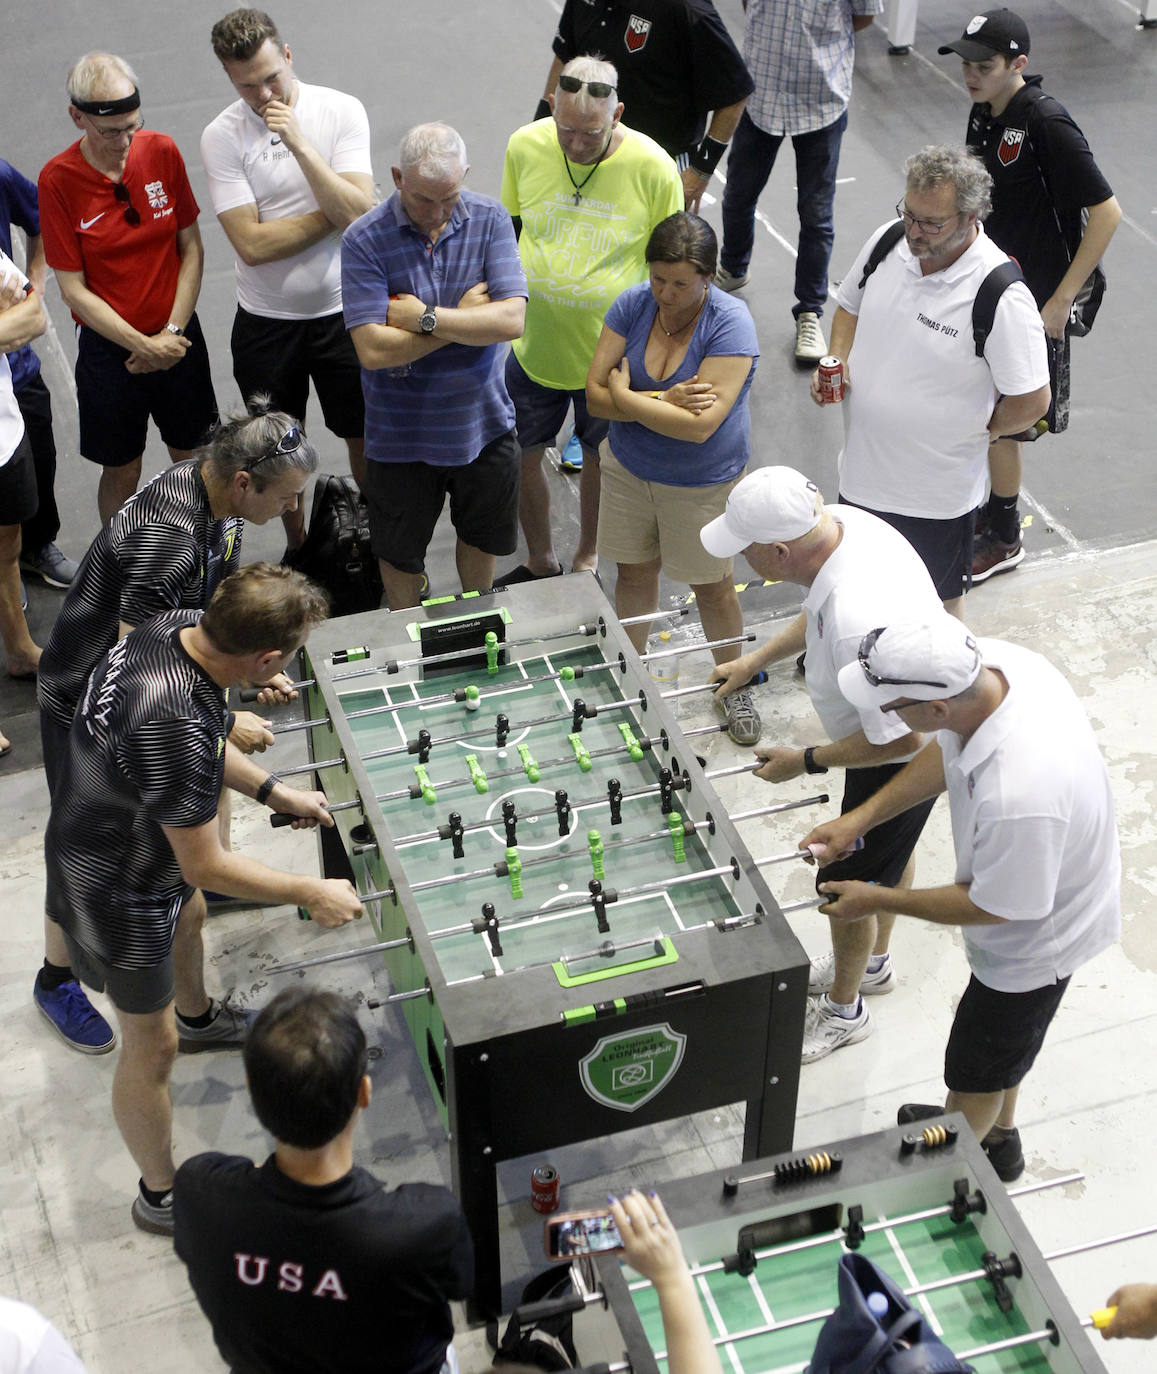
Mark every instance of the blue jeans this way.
pixel 817 156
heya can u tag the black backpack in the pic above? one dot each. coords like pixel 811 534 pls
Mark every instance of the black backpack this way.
pixel 539 1331
pixel 987 296
pixel 336 553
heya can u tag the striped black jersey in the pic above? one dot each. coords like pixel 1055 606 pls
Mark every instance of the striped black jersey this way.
pixel 146 749
pixel 162 549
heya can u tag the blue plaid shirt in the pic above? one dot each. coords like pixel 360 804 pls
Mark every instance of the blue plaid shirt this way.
pixel 800 55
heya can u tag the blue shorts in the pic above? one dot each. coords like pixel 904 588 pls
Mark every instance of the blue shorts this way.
pixel 539 411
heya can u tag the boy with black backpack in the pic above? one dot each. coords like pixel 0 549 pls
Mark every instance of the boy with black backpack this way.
pixel 1053 212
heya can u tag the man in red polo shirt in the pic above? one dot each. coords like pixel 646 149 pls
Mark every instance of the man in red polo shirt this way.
pixel 120 230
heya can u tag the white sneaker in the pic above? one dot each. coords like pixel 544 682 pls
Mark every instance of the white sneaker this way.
pixel 729 281
pixel 826 1030
pixel 823 975
pixel 810 344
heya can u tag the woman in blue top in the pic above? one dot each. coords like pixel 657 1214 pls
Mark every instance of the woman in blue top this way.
pixel 672 371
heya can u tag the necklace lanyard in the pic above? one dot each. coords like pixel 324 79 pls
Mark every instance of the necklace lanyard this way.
pixel 578 185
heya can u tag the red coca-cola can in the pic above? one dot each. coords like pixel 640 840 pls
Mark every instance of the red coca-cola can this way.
pixel 544 1187
pixel 831 379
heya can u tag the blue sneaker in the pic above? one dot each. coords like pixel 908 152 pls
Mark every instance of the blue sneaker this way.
pixel 572 456
pixel 74 1018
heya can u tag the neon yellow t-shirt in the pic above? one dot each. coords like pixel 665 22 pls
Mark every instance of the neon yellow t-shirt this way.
pixel 580 258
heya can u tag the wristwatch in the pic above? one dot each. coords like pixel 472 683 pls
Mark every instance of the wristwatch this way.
pixel 809 760
pixel 175 329
pixel 427 320
pixel 262 794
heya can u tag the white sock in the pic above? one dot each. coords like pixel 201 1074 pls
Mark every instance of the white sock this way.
pixel 848 1010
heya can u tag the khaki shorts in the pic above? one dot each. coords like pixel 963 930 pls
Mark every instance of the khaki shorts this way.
pixel 641 521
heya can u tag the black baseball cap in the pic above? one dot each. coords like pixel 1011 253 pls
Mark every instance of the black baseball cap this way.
pixel 985 35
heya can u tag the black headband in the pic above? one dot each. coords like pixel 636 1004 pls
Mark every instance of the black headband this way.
pixel 109 107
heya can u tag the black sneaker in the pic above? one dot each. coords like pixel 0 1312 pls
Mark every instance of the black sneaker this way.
pixel 1004 1154
pixel 917 1111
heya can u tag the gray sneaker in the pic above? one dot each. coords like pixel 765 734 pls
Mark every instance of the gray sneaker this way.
pixel 743 722
pixel 50 565
pixel 823 975
pixel 158 1221
pixel 226 1031
pixel 728 281
pixel 810 344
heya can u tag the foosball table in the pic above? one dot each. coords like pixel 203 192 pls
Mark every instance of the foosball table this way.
pixel 922 1202
pixel 578 938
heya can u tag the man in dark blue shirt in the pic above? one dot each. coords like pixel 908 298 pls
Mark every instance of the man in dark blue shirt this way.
pixel 39 554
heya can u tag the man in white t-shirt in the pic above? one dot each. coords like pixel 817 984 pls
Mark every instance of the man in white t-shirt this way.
pixel 858 573
pixel 289 171
pixel 921 409
pixel 1038 863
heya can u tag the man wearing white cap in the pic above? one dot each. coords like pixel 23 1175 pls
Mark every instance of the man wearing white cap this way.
pixel 858 572
pixel 1038 864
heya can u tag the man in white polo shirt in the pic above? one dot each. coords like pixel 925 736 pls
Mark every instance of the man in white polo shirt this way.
pixel 921 409
pixel 289 170
pixel 1038 863
pixel 859 573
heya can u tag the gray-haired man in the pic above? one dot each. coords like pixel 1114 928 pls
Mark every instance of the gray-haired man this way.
pixel 922 407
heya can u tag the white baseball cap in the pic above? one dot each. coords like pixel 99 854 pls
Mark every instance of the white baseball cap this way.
pixel 767 506
pixel 929 660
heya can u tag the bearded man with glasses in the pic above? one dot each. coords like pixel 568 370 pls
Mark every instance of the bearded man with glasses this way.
pixel 119 223
pixel 923 408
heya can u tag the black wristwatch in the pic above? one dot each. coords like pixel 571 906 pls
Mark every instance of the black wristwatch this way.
pixel 427 320
pixel 809 761
pixel 262 795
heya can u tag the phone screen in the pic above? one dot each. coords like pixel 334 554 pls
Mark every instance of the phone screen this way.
pixel 582 1234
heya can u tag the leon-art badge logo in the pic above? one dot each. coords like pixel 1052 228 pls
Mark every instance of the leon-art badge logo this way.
pixel 623 1071
pixel 1011 142
pixel 638 31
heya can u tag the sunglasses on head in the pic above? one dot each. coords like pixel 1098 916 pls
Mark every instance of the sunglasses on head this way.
pixel 289 442
pixel 866 647
pixel 121 193
pixel 572 85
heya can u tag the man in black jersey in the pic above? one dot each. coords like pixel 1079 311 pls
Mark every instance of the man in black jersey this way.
pixel 307 1262
pixel 1052 211
pixel 133 831
pixel 169 546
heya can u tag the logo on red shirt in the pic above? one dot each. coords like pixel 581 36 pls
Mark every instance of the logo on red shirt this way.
pixel 155 190
pixel 638 31
pixel 1010 145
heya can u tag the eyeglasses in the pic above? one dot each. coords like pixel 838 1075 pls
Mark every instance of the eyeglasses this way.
pixel 111 135
pixel 926 226
pixel 289 442
pixel 572 85
pixel 867 644
pixel 121 193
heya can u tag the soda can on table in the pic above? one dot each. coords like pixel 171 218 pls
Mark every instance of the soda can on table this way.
pixel 831 379
pixel 544 1188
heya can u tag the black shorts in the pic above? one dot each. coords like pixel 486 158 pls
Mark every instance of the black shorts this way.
pixel 996 1036
pixel 406 499
pixel 944 546
pixel 18 499
pixel 888 847
pixel 135 990
pixel 115 405
pixel 540 410
pixel 281 357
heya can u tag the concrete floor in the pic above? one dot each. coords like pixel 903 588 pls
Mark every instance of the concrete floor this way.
pixel 1086 596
